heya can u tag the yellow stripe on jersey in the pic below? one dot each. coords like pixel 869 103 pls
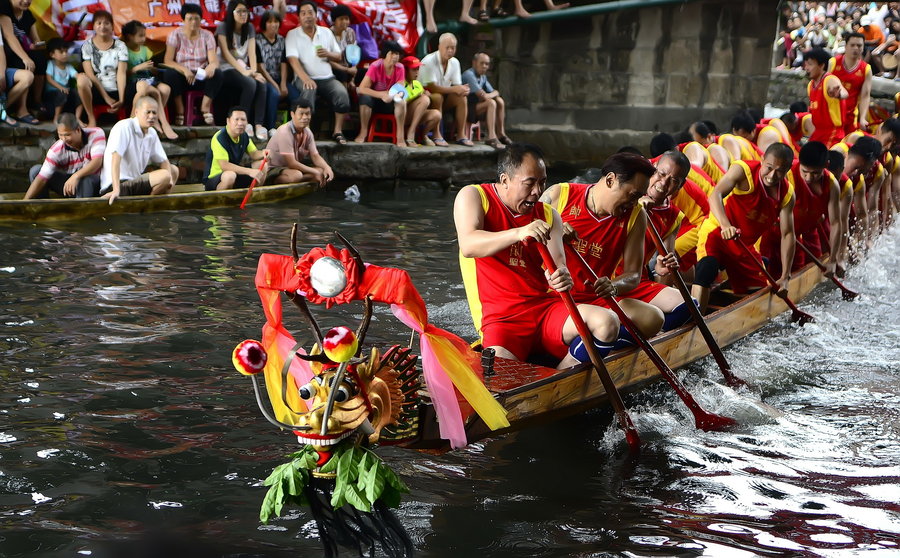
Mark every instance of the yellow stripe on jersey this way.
pixel 750 182
pixel 563 198
pixel 834 105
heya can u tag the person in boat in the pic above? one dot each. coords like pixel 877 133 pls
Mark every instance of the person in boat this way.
pixel 132 144
pixel 226 151
pixel 505 284
pixel 865 171
pixel 752 197
pixel 816 201
pixel 72 165
pixel 741 142
pixel 856 77
pixel 290 147
pixel 888 135
pixel 608 226
pixel 826 98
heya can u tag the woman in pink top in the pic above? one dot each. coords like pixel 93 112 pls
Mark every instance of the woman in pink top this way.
pixel 192 62
pixel 374 92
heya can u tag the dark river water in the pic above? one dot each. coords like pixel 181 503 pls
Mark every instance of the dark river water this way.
pixel 121 414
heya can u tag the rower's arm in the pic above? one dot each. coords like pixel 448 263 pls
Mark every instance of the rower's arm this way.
pixel 633 258
pixel 834 218
pixel 788 241
pixel 474 241
pixel 865 95
pixel 734 178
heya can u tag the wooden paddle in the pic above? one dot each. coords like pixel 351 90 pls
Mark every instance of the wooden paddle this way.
pixel 797 315
pixel 631 434
pixel 845 292
pixel 702 418
pixel 714 348
pixel 265 160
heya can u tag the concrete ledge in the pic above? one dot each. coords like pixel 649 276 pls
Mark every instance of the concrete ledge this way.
pixel 22 147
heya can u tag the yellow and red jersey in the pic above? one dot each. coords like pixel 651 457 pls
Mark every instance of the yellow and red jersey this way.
pixel 827 111
pixel 852 80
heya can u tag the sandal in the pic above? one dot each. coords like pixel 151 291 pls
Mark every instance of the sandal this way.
pixel 179 120
pixel 500 12
pixel 412 143
pixel 428 142
pixel 209 119
pixel 441 142
pixel 483 15
pixel 339 138
pixel 465 142
pixel 494 142
pixel 10 121
pixel 27 119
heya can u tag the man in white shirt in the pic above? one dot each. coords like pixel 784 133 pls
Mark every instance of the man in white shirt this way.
pixel 442 77
pixel 131 145
pixel 309 48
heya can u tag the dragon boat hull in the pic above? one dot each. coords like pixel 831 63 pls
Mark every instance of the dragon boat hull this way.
pixel 534 394
pixel 185 196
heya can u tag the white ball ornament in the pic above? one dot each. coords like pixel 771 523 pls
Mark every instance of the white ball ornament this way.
pixel 328 276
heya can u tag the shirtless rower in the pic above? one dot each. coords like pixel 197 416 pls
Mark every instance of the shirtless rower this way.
pixel 609 227
pixel 505 283
pixel 759 197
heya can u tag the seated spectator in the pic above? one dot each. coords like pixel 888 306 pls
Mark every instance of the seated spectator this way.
pixel 375 94
pixel 132 144
pixel 141 74
pixel 72 165
pixel 19 40
pixel 417 110
pixel 192 64
pixel 237 45
pixel 873 36
pixel 310 49
pixel 59 93
pixel 442 77
pixel 14 86
pixel 341 18
pixel 272 65
pixel 105 62
pixel 292 145
pixel 226 151
pixel 484 99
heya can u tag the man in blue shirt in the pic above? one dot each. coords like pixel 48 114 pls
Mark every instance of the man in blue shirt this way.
pixel 485 100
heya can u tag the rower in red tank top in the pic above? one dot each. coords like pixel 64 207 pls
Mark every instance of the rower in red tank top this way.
pixel 505 283
pixel 826 96
pixel 752 197
pixel 609 227
pixel 856 77
pixel 816 202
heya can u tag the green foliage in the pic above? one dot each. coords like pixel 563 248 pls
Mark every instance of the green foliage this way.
pixel 361 479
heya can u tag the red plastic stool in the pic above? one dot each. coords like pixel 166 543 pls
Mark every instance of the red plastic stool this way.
pixel 383 126
pixel 473 131
pixel 192 100
pixel 101 109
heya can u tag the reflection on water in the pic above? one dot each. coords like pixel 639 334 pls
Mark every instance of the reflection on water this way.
pixel 120 411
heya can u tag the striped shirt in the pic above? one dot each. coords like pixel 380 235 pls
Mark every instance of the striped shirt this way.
pixel 65 160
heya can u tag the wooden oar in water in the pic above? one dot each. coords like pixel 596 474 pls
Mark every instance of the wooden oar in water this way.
pixel 265 160
pixel 631 434
pixel 702 418
pixel 711 342
pixel 797 315
pixel 845 292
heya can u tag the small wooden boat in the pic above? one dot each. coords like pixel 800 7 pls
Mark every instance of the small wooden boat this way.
pixel 536 394
pixel 184 196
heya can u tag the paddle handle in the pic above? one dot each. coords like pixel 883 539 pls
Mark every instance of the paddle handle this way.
pixel 631 434
pixel 265 160
pixel 774 284
pixel 699 320
pixel 848 294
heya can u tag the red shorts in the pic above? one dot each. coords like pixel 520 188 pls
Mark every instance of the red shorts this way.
pixel 537 330
pixel 645 291
pixel 743 273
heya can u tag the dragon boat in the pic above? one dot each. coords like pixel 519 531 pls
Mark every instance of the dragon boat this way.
pixel 340 401
pixel 183 196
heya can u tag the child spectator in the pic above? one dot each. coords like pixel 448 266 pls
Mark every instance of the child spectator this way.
pixel 417 107
pixel 272 65
pixel 14 86
pixel 141 78
pixel 59 93
pixel 105 62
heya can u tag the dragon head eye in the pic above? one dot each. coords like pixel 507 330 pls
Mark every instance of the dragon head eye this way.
pixel 307 391
pixel 342 394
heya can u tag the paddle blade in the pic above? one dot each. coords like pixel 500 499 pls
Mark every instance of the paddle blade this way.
pixel 711 422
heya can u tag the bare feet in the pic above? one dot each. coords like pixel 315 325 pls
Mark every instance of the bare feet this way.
pixel 170 133
pixel 552 6
pixel 523 13
pixel 468 19
pixel 359 139
pixel 430 25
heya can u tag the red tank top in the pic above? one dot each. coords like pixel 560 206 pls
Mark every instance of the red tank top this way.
pixel 809 208
pixel 601 239
pixel 754 211
pixel 506 283
pixel 667 220
pixel 853 81
pixel 827 112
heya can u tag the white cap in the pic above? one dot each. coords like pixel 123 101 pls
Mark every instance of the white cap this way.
pixel 865 20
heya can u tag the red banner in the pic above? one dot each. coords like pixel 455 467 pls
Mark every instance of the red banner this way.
pixel 389 19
